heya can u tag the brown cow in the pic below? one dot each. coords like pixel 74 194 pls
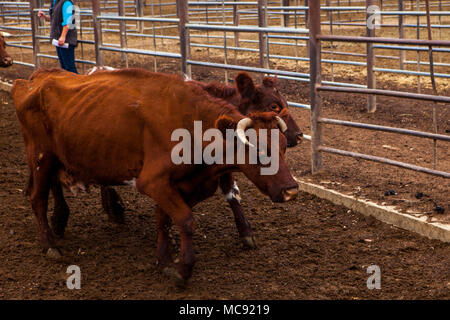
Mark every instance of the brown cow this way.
pixel 5 59
pixel 115 128
pixel 247 97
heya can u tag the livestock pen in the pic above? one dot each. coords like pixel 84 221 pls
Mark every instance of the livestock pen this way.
pixel 391 78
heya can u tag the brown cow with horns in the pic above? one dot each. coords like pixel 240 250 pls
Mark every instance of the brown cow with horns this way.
pixel 115 128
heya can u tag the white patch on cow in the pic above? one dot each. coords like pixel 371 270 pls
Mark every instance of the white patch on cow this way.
pixel 96 69
pixel 77 187
pixel 92 70
pixel 136 105
pixel 186 77
pixel 131 182
pixel 233 194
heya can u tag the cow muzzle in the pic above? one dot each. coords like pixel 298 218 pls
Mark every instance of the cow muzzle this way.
pixel 290 194
pixel 8 61
pixel 286 194
pixel 294 139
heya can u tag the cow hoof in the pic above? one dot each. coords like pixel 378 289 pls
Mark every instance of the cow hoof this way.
pixel 172 273
pixel 53 254
pixel 248 242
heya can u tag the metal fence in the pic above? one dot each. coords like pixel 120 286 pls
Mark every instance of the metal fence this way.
pixel 269 31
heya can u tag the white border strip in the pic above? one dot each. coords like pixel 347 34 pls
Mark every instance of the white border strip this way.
pixel 387 214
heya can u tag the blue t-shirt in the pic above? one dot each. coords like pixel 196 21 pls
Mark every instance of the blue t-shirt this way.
pixel 66 12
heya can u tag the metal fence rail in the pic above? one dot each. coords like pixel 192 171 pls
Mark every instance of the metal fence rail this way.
pixel 317 121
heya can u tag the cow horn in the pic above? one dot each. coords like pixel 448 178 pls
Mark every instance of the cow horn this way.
pixel 5 34
pixel 240 130
pixel 281 124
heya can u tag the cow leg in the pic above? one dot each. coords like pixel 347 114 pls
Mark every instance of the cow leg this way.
pixel 170 202
pixel 162 251
pixel 112 204
pixel 61 211
pixel 231 191
pixel 42 181
pixel 29 186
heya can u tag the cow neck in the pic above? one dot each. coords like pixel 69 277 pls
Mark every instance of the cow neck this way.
pixel 214 108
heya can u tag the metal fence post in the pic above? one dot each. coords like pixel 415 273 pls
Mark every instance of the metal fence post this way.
pixel 182 12
pixel 41 21
pixel 401 33
pixel 122 29
pixel 285 14
pixel 34 32
pixel 315 80
pixel 140 13
pixel 236 23
pixel 306 3
pixel 381 9
pixel 370 59
pixel 262 22
pixel 97 32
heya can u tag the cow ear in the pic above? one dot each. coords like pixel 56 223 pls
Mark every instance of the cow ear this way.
pixel 270 82
pixel 245 85
pixel 223 123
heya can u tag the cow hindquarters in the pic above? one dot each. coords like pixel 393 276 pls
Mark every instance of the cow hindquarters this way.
pixel 231 193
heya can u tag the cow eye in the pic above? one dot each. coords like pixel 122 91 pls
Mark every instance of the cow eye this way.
pixel 274 107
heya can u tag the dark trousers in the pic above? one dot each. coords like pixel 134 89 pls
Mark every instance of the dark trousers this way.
pixel 66 58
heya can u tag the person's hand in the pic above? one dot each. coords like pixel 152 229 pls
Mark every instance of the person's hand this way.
pixel 41 14
pixel 61 40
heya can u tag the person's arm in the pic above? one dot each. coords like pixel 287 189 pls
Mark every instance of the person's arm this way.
pixel 62 38
pixel 41 15
pixel 67 20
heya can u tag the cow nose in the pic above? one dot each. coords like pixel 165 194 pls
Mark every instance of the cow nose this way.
pixel 8 61
pixel 290 194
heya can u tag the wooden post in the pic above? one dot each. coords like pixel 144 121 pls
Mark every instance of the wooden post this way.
pixel 182 12
pixel 401 34
pixel 370 59
pixel 262 22
pixel 97 32
pixel 285 14
pixel 122 29
pixel 315 80
pixel 35 32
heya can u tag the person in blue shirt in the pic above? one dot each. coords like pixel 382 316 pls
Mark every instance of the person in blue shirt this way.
pixel 62 29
